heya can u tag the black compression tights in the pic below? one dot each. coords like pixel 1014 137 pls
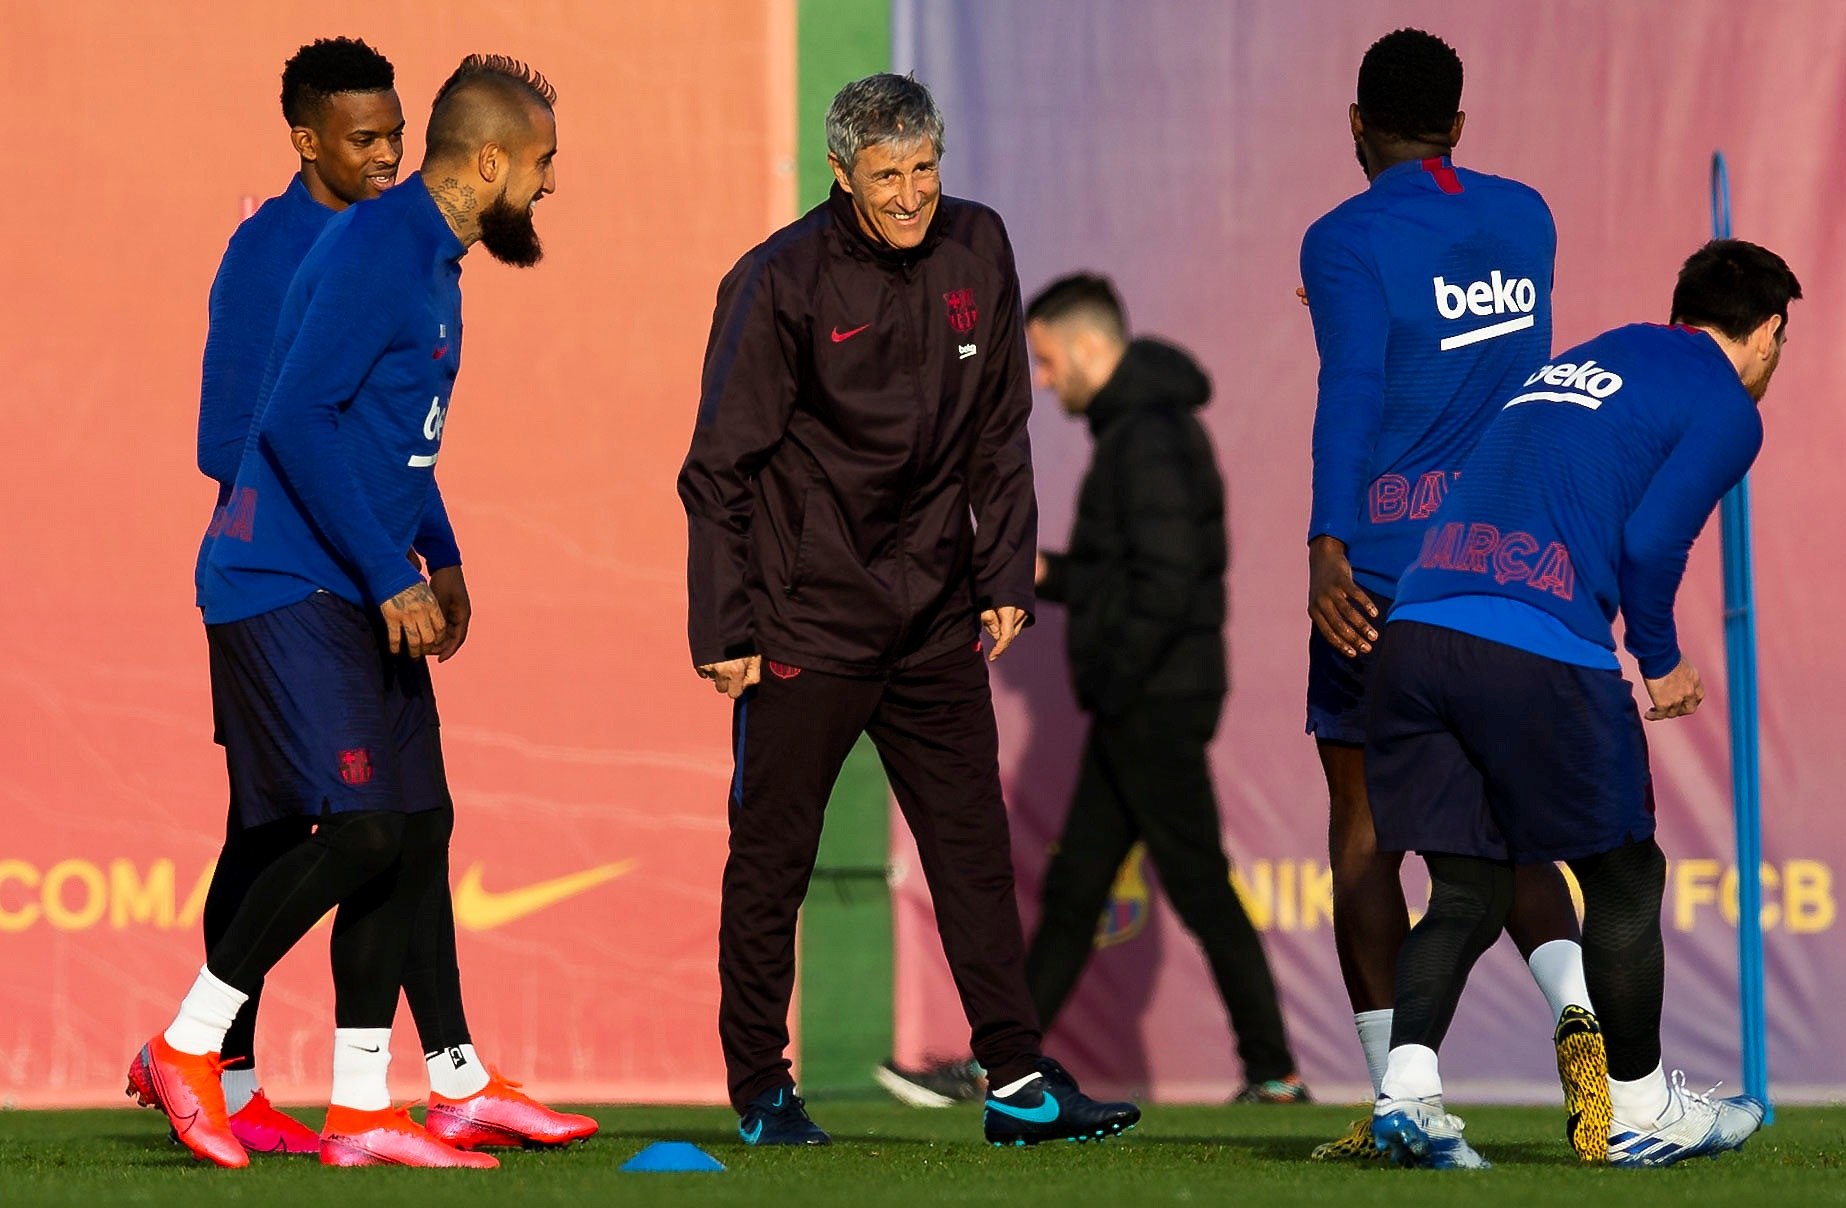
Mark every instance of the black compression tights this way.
pixel 1624 957
pixel 432 975
pixel 1468 902
pixel 248 853
pixel 375 866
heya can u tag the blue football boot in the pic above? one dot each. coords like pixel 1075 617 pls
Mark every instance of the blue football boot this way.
pixel 1418 1132
pixel 778 1117
pixel 1051 1108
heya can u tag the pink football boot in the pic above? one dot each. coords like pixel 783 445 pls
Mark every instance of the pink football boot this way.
pixel 261 1129
pixel 501 1114
pixel 388 1137
pixel 186 1088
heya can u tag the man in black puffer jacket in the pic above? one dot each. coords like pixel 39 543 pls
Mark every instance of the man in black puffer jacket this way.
pixel 1144 582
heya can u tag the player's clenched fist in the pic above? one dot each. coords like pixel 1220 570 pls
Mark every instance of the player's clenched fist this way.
pixel 413 619
pixel 1675 694
pixel 734 675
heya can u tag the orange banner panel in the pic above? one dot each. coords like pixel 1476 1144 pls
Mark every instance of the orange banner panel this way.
pixel 589 766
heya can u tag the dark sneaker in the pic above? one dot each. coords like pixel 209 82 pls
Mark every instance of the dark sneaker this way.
pixel 778 1117
pixel 1275 1090
pixel 938 1084
pixel 1051 1108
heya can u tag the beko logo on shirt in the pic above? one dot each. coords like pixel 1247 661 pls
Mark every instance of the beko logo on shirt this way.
pixel 1586 385
pixel 432 430
pixel 1497 295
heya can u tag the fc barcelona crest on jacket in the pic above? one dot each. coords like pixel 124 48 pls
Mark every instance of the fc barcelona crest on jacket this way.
pixel 961 310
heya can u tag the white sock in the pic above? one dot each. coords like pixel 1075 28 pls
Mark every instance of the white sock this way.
pixel 1013 1088
pixel 240 1086
pixel 360 1058
pixel 456 1072
pixel 1411 1074
pixel 1375 1038
pixel 205 1015
pixel 1641 1103
pixel 1557 967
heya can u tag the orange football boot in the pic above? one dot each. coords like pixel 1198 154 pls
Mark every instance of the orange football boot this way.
pixel 501 1114
pixel 262 1129
pixel 186 1088
pixel 388 1137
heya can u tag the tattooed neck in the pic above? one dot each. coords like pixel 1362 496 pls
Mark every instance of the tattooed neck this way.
pixel 458 205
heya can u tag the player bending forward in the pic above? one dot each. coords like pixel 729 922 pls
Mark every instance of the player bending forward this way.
pixel 1502 731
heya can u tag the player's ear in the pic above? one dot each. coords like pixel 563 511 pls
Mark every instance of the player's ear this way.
pixel 1455 130
pixel 839 172
pixel 306 144
pixel 1767 336
pixel 1357 122
pixel 489 161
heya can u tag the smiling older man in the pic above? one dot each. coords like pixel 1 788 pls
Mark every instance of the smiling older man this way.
pixel 859 494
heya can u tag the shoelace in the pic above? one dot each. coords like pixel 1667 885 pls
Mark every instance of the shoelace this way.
pixel 214 1067
pixel 1679 1088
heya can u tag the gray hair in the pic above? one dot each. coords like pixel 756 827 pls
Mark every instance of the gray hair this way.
pixel 881 108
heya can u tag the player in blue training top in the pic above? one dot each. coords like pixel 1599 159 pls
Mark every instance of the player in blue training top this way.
pixel 1430 293
pixel 347 127
pixel 1501 729
pixel 317 621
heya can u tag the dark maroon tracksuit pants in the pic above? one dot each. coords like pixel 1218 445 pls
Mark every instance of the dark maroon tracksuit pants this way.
pixel 933 726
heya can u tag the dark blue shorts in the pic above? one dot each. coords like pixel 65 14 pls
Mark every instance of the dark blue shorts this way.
pixel 1475 748
pixel 1336 684
pixel 317 715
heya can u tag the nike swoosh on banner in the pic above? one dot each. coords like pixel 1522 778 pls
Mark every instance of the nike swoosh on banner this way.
pixel 480 909
pixel 1044 1113
pixel 840 337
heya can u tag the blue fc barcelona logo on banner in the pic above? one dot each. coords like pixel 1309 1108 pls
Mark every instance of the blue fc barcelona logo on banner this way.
pixel 1125 916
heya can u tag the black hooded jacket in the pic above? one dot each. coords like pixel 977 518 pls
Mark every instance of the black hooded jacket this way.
pixel 1144 575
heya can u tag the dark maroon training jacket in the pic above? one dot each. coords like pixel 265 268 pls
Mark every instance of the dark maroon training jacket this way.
pixel 859 485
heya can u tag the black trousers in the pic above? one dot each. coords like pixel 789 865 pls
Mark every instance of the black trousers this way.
pixel 933 727
pixel 1145 778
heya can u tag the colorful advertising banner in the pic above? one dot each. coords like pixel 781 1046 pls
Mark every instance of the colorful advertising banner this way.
pixel 588 764
pixel 1183 148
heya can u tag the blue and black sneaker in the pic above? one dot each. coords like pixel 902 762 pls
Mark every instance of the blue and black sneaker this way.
pixel 778 1118
pixel 1051 1108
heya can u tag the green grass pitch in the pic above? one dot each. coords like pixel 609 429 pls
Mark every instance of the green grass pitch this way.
pixel 887 1154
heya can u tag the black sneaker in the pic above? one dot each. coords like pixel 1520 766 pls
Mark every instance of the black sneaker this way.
pixel 1051 1108
pixel 1290 1089
pixel 778 1118
pixel 938 1084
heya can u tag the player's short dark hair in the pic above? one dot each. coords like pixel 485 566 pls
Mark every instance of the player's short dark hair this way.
pixel 1410 85
pixel 1734 286
pixel 327 67
pixel 1090 295
pixel 499 77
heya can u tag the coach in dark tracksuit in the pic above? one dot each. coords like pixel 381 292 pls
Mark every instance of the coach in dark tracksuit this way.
pixel 865 391
pixel 1144 583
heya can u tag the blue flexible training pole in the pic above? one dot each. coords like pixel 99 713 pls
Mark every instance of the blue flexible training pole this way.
pixel 1740 680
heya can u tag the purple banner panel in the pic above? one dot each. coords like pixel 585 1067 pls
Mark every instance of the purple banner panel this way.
pixel 1184 148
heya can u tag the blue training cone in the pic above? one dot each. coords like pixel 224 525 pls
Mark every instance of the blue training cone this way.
pixel 672 1157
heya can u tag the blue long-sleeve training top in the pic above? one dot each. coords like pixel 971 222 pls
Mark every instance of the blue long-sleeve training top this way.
pixel 1584 497
pixel 1430 292
pixel 246 301
pixel 339 470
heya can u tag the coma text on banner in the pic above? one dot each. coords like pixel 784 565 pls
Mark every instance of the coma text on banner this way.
pixel 78 894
